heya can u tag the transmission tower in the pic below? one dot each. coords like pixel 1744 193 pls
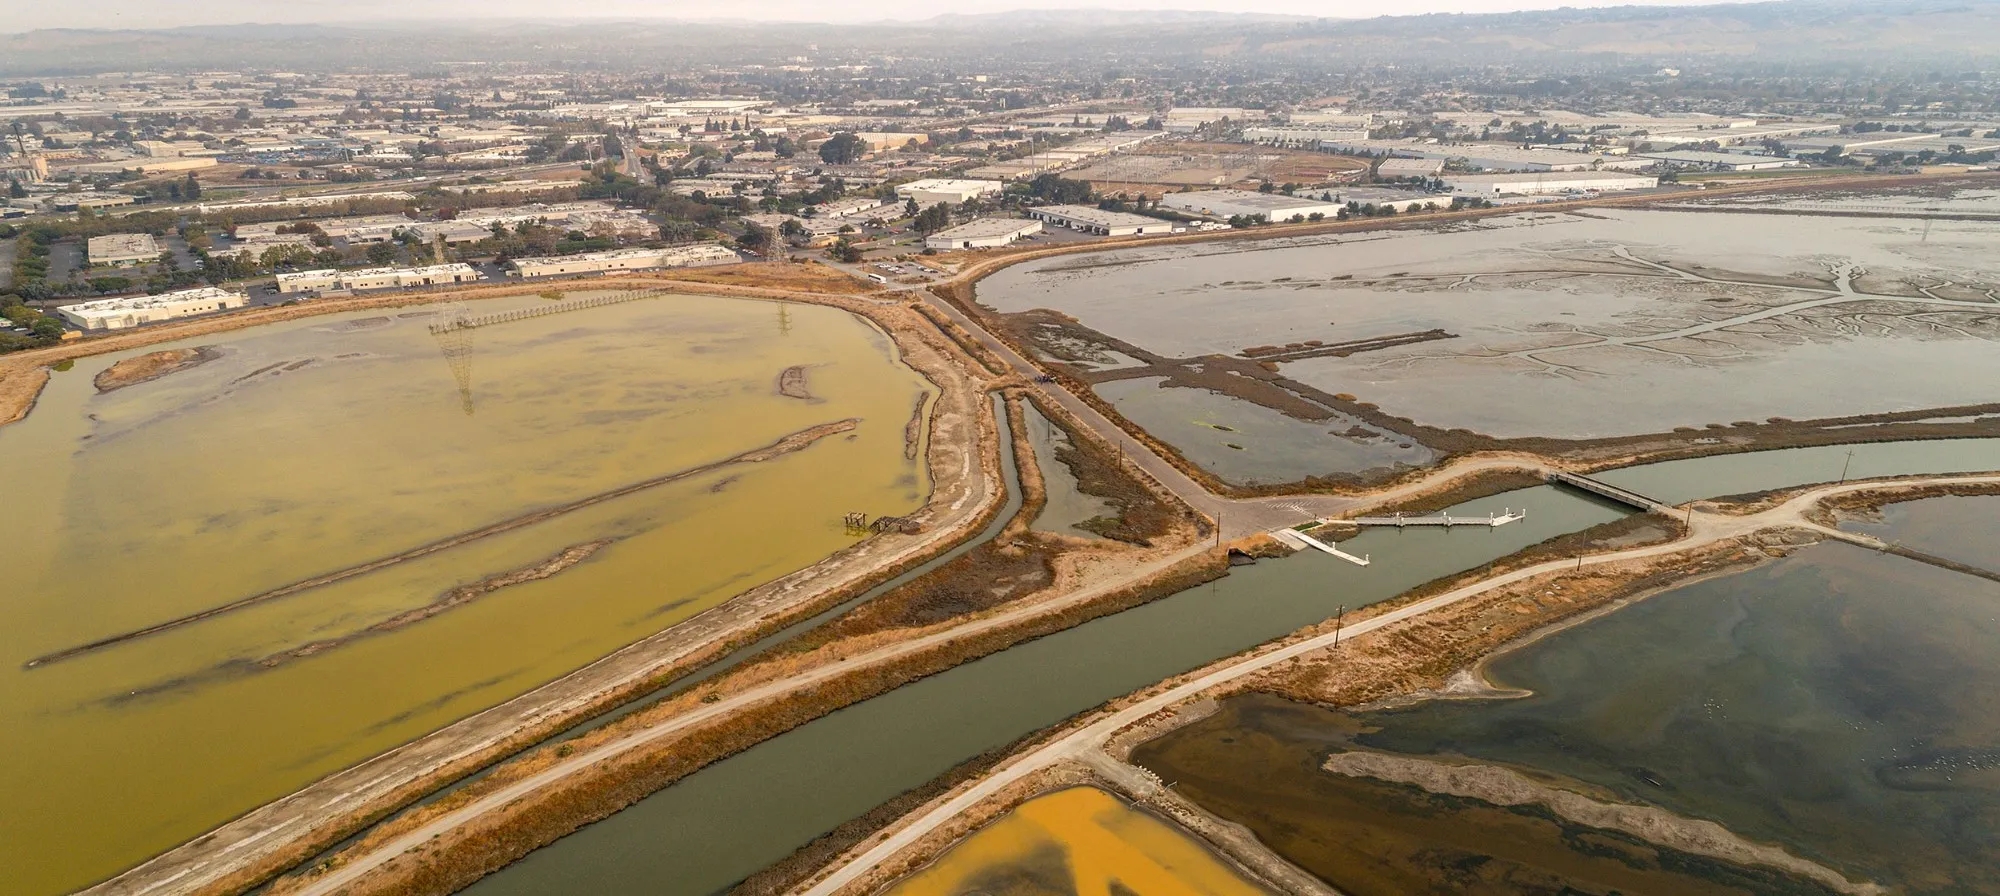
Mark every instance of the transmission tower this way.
pixel 454 339
pixel 784 320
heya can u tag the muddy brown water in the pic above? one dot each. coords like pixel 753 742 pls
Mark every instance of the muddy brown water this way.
pixel 313 446
pixel 731 819
pixel 1065 506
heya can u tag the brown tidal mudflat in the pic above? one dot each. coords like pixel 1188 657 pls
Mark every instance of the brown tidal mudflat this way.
pixel 151 366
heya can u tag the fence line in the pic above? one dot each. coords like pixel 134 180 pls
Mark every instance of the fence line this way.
pixel 501 317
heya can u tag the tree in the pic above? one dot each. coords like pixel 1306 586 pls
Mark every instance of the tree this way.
pixel 1061 190
pixel 755 238
pixel 843 250
pixel 47 328
pixel 382 253
pixel 911 209
pixel 15 190
pixel 191 188
pixel 842 149
pixel 933 219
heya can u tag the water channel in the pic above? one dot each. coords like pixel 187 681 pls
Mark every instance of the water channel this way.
pixel 737 816
pixel 1836 703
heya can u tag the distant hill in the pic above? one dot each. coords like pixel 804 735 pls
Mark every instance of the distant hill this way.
pixel 1930 34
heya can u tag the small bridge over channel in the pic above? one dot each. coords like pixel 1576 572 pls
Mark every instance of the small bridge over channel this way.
pixel 1608 491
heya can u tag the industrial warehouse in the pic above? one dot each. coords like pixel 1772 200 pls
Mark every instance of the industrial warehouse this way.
pixel 931 191
pixel 983 233
pixel 1225 204
pixel 119 314
pixel 1089 219
pixel 376 278
pixel 1545 183
pixel 623 260
pixel 122 249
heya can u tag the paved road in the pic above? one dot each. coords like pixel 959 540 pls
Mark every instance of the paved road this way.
pixel 1705 528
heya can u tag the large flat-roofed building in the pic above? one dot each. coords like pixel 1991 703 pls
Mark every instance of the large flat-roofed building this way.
pixel 1182 119
pixel 624 260
pixel 1384 197
pixel 982 233
pixel 450 232
pixel 1546 183
pixel 377 278
pixel 306 201
pixel 70 202
pixel 931 191
pixel 258 245
pixel 429 275
pixel 1851 142
pixel 357 231
pixel 309 281
pixel 1234 203
pixel 1302 135
pixel 1488 156
pixel 1719 161
pixel 1409 168
pixel 118 314
pixel 1089 219
pixel 852 205
pixel 123 249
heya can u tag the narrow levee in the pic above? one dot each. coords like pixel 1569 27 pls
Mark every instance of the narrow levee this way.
pixel 724 823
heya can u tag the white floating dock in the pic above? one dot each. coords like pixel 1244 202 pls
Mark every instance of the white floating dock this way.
pixel 1299 539
pixel 1490 520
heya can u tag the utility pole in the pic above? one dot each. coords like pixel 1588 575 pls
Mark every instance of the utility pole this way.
pixel 1339 622
pixel 1844 465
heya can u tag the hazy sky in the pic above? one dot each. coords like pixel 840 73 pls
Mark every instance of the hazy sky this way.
pixel 26 15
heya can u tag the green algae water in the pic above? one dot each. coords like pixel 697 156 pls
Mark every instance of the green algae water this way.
pixel 316 445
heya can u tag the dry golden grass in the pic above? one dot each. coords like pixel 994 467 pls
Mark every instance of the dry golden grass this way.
pixel 18 391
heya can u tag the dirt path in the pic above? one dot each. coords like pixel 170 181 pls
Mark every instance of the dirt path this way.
pixel 355 867
pixel 1704 528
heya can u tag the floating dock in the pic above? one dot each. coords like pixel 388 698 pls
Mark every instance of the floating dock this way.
pixel 1298 539
pixel 1491 520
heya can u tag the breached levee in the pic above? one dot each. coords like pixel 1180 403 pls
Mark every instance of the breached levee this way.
pixel 1506 787
pixel 792 443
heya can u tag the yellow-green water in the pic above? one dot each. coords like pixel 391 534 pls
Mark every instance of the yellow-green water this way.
pixel 133 507
pixel 1077 842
